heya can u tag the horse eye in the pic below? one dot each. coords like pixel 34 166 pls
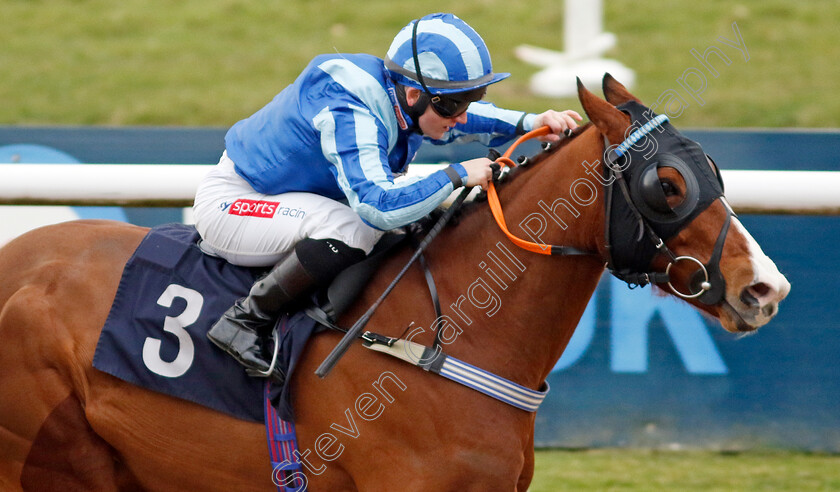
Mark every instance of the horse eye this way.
pixel 669 188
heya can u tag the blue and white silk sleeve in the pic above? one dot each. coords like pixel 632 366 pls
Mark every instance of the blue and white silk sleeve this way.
pixel 356 143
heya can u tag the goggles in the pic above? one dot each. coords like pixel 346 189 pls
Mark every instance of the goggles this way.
pixel 451 106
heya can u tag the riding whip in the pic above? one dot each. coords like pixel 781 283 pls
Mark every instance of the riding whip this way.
pixel 332 359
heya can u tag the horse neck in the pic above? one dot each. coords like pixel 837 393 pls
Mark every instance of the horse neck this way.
pixel 519 327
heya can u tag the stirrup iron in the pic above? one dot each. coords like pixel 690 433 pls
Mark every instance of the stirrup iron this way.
pixel 270 370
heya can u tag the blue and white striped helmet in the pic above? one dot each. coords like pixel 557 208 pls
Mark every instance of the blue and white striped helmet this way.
pixel 452 56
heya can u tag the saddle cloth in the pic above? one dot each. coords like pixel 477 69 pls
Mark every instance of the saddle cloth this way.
pixel 169 295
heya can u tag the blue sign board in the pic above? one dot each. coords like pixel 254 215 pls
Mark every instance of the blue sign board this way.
pixel 648 370
pixel 642 369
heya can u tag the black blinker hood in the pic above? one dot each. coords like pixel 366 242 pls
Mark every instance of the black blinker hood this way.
pixel 630 252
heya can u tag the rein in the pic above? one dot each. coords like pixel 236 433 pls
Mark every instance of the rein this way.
pixel 496 206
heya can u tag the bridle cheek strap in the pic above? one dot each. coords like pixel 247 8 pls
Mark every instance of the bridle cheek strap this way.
pixel 714 291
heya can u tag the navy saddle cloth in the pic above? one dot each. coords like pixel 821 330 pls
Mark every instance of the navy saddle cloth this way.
pixel 169 295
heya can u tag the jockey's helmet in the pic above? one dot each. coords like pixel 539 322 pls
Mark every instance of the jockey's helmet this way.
pixel 441 55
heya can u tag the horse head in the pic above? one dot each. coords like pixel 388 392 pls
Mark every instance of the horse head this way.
pixel 667 221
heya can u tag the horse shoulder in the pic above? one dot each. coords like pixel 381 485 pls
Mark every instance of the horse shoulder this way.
pixel 65 274
pixel 58 282
pixel 57 285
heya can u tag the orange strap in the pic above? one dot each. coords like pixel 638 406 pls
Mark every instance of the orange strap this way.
pixel 496 206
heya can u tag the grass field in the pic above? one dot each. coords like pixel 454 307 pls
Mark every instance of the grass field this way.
pixel 649 471
pixel 213 62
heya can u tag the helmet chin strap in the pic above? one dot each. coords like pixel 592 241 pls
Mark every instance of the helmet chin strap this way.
pixel 418 108
pixel 414 111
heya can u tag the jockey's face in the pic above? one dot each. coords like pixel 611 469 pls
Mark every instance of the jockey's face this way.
pixel 430 122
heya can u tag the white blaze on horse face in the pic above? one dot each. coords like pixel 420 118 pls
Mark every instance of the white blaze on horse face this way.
pixel 768 288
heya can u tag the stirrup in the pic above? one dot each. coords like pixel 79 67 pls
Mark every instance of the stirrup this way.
pixel 270 370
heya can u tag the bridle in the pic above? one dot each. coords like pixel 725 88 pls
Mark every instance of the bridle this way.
pixel 646 210
pixel 707 283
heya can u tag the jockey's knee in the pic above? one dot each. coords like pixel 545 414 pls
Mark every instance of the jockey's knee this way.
pixel 324 258
pixel 345 225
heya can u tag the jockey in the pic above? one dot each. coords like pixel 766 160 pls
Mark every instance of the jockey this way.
pixel 307 182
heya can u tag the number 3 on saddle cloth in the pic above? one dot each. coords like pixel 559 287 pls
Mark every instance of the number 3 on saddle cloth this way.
pixel 169 295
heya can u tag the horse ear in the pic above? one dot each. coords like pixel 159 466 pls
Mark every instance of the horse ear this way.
pixel 609 120
pixel 615 92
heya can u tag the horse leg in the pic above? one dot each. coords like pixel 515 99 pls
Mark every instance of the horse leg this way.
pixel 67 455
pixel 45 440
pixel 527 473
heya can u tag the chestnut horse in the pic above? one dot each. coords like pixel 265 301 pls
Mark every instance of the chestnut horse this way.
pixel 375 423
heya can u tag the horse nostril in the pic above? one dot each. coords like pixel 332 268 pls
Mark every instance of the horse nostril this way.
pixel 759 295
pixel 759 290
pixel 748 298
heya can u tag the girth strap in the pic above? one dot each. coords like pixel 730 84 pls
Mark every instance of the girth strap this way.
pixel 456 370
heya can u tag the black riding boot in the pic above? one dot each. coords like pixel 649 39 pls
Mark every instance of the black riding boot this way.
pixel 245 329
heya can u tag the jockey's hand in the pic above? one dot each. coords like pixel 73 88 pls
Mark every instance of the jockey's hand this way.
pixel 478 171
pixel 558 121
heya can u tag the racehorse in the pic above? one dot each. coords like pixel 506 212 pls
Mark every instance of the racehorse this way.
pixel 375 423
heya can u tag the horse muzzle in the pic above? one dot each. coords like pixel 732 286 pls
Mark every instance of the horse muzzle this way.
pixel 753 306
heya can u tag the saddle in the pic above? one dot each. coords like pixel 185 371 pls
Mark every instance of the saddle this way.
pixel 171 293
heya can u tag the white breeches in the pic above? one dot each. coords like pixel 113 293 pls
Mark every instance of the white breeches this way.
pixel 252 229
